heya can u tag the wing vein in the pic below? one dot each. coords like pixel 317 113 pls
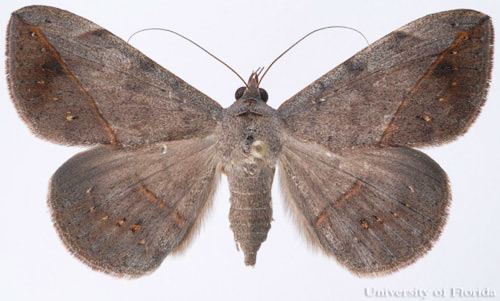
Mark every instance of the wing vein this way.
pixel 461 36
pixel 91 101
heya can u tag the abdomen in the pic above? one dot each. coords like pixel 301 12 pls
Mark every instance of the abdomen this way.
pixel 251 213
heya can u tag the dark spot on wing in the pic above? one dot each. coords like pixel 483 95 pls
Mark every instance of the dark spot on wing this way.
pixel 319 86
pixel 444 68
pixel 98 32
pixel 147 65
pixel 54 67
pixel 400 35
pixel 401 41
pixel 355 65
pixel 95 36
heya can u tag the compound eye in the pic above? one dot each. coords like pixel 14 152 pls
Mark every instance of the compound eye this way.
pixel 239 92
pixel 263 95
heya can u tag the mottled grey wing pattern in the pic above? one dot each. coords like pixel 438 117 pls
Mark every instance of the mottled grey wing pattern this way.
pixel 123 211
pixel 374 209
pixel 74 82
pixel 420 85
pixel 359 191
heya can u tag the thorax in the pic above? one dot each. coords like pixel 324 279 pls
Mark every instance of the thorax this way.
pixel 249 138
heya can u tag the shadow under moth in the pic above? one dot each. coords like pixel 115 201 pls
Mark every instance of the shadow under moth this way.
pixel 343 145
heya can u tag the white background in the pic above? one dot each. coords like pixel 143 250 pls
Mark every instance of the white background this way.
pixel 34 265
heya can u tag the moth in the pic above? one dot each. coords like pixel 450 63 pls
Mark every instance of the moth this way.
pixel 344 145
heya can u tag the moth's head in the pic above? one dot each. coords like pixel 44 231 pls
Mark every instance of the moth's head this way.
pixel 252 92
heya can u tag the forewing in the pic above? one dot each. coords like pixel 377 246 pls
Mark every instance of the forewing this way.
pixel 74 82
pixel 375 209
pixel 422 84
pixel 122 212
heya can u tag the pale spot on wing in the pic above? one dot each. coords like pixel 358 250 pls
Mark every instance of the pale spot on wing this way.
pixel 364 224
pixel 426 117
pixel 120 222
pixel 135 227
pixel 70 116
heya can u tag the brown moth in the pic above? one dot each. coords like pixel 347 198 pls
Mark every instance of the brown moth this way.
pixel 343 144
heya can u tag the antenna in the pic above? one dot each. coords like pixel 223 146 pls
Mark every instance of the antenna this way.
pixel 192 42
pixel 304 37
